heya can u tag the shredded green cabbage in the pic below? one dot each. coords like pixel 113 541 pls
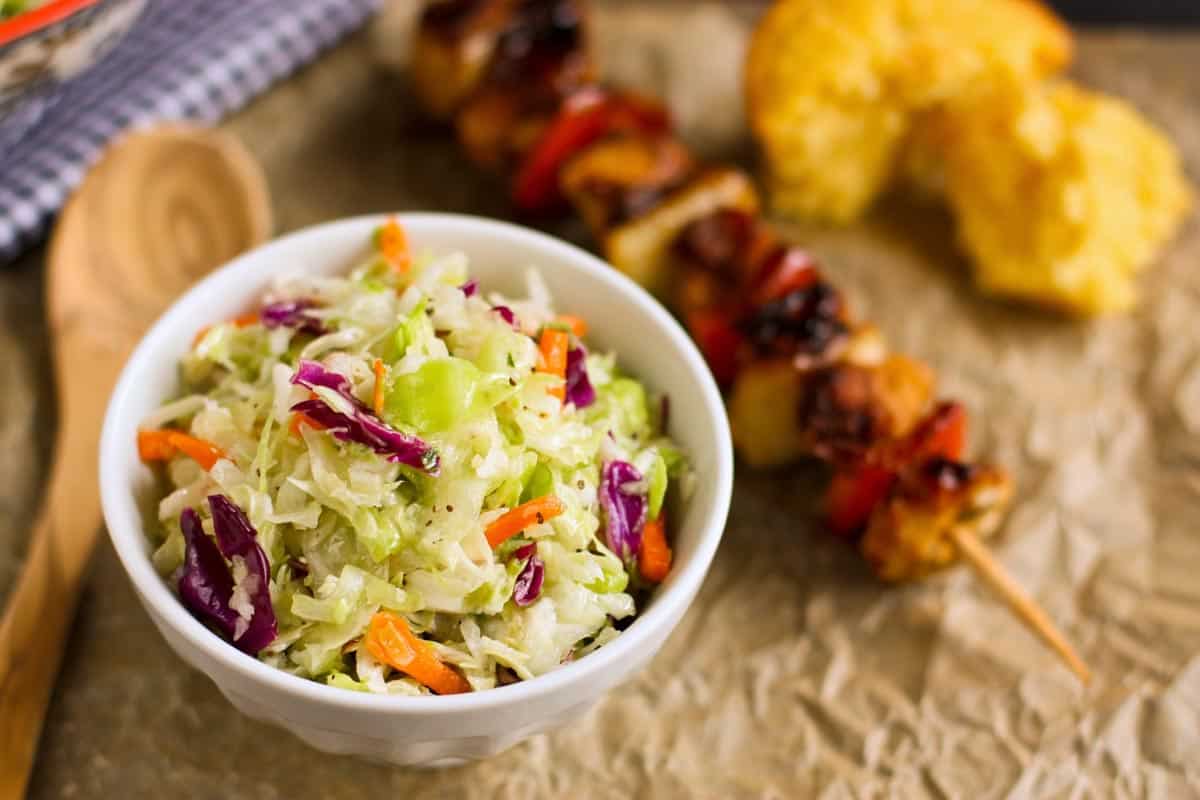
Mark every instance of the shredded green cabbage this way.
pixel 349 533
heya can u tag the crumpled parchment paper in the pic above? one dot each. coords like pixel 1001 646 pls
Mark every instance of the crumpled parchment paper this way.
pixel 795 674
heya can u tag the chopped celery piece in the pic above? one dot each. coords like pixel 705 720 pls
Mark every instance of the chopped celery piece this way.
pixel 539 484
pixel 496 353
pixel 657 486
pixel 391 349
pixel 630 400
pixel 675 460
pixel 335 610
pixel 343 681
pixel 435 397
pixel 614 580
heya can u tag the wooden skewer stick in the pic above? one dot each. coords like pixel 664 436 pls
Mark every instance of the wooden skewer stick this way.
pixel 1029 612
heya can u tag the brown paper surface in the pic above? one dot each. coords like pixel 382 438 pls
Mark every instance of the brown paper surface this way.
pixel 795 674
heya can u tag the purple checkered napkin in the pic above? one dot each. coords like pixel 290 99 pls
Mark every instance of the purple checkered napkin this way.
pixel 184 60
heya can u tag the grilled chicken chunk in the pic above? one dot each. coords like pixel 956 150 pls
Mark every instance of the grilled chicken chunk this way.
pixel 619 178
pixel 538 59
pixel 718 258
pixel 454 45
pixel 838 412
pixel 909 535
pixel 641 247
pixel 847 410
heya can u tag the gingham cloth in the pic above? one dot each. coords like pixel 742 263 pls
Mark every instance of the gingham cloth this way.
pixel 184 59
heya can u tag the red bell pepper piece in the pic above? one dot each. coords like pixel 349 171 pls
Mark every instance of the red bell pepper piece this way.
pixel 719 340
pixel 853 495
pixel 942 434
pixel 585 117
pixel 787 271
pixel 855 492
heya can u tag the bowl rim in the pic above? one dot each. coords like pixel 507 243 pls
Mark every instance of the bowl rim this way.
pixel 125 531
pixel 43 16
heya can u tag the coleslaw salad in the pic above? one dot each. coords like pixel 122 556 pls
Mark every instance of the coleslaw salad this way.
pixel 433 489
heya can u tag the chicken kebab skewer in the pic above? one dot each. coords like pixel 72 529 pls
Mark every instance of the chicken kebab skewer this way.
pixel 804 377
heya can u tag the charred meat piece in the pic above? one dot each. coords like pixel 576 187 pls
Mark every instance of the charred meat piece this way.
pixel 842 412
pixel 454 45
pixel 807 324
pixel 642 247
pixel 710 256
pixel 779 303
pixel 718 257
pixel 539 59
pixel 496 127
pixel 720 243
pixel 909 534
pixel 840 415
pixel 856 490
pixel 544 47
pixel 623 176
pixel 846 410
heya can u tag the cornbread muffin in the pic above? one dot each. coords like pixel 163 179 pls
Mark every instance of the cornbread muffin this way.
pixel 833 86
pixel 1061 195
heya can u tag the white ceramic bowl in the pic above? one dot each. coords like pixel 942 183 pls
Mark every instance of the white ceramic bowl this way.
pixel 427 730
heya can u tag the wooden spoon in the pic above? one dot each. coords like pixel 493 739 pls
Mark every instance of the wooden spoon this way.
pixel 159 210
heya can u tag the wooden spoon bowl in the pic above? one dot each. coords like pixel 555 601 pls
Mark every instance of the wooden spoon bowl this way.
pixel 161 209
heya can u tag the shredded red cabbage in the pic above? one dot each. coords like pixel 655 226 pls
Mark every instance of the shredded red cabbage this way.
pixel 292 314
pixel 237 538
pixel 470 287
pixel 624 512
pixel 311 374
pixel 205 584
pixel 507 315
pixel 529 581
pixel 361 425
pixel 579 389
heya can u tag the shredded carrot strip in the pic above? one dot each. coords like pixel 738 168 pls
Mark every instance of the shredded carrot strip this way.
pixel 243 321
pixel 654 559
pixel 200 334
pixel 154 446
pixel 393 243
pixel 552 357
pixel 162 445
pixel 300 418
pixel 377 397
pixel 578 325
pixel 392 642
pixel 204 453
pixel 517 519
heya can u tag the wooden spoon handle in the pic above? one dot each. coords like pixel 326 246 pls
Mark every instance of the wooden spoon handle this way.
pixel 159 210
pixel 32 636
pixel 37 621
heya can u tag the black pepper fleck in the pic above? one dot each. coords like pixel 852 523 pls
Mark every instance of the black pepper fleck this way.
pixel 450 509
pixel 540 518
pixel 578 484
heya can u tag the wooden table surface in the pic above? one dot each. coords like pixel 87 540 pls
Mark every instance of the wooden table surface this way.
pixel 826 681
